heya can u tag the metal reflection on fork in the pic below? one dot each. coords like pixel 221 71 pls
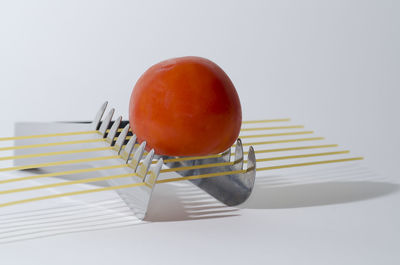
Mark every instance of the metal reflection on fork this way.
pixel 230 189
pixel 113 146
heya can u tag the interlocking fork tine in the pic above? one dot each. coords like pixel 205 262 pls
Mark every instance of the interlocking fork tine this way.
pixel 121 139
pixel 227 154
pixel 145 164
pixel 215 174
pixel 137 197
pixel 113 131
pixel 137 156
pixel 251 161
pixel 230 189
pixel 153 174
pixel 99 115
pixel 249 177
pixel 105 123
pixel 127 151
pixel 137 176
pixel 238 162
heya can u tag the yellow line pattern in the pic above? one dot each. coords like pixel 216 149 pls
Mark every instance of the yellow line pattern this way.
pixel 54 174
pixel 45 135
pixel 118 130
pixel 171 160
pixel 58 163
pixel 81 181
pixel 273 128
pixel 265 121
pixel 301 156
pixel 51 144
pixel 63 173
pixel 53 196
pixel 274 134
pixel 174 169
pixel 57 153
pixel 284 141
pixel 170 180
pixel 293 148
pixel 310 163
pixel 209 175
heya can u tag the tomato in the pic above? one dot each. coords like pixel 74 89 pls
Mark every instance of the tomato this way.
pixel 185 106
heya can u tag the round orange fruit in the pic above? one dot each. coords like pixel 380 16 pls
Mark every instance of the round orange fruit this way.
pixel 185 106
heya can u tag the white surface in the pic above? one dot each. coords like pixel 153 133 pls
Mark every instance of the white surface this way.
pixel 333 66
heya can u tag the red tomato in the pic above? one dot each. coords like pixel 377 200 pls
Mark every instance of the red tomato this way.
pixel 185 106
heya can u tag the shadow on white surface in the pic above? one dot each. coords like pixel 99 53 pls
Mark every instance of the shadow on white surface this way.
pixel 176 202
pixel 326 186
pixel 317 194
pixel 46 222
pixel 184 201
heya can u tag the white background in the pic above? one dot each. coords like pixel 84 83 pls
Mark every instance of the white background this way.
pixel 331 65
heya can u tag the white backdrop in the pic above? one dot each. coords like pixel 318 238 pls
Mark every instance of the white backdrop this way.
pixel 331 65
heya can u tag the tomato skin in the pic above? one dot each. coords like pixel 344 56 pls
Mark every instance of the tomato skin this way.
pixel 185 106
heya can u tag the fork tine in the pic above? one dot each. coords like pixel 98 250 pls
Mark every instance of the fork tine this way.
pixel 121 139
pixel 113 131
pixel 137 156
pixel 106 122
pixel 99 115
pixel 127 151
pixel 238 162
pixel 144 166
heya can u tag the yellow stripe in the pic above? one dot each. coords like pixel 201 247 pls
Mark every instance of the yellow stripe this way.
pixel 245 129
pixel 81 181
pixel 293 148
pixel 190 158
pixel 274 134
pixel 45 135
pixel 109 148
pixel 51 144
pixel 210 175
pixel 72 193
pixel 301 156
pixel 165 170
pixel 284 141
pixel 58 163
pixel 57 153
pixel 117 187
pixel 118 130
pixel 265 121
pixel 174 169
pixel 62 173
pixel 256 151
pixel 128 137
pixel 310 163
pixel 167 160
pixel 273 128
pixel 169 180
